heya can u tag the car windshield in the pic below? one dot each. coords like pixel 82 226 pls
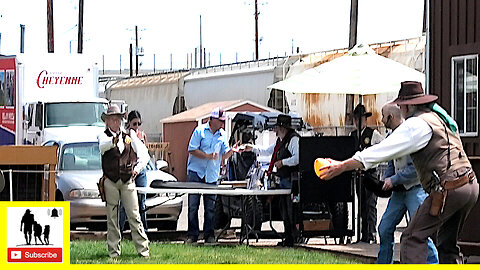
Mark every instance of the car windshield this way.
pixel 74 114
pixel 81 156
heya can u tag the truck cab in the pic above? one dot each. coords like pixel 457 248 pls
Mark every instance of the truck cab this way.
pixel 53 120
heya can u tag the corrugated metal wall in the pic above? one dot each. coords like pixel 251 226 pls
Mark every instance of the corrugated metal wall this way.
pixel 153 96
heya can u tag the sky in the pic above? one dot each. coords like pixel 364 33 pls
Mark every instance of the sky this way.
pixel 171 28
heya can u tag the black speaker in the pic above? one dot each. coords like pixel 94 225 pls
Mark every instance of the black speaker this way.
pixel 312 188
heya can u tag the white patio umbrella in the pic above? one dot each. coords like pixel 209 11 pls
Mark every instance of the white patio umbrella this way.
pixel 361 72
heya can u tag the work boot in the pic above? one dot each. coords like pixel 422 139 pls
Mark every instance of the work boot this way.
pixel 210 241
pixel 191 241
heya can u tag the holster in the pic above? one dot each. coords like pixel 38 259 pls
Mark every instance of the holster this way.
pixel 101 187
pixel 438 202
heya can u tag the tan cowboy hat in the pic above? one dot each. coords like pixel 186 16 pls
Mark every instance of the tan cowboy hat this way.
pixel 112 110
pixel 411 93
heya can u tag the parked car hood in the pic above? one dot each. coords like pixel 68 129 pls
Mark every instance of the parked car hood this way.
pixel 76 179
pixel 159 175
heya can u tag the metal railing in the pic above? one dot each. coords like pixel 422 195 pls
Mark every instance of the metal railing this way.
pixel 27 187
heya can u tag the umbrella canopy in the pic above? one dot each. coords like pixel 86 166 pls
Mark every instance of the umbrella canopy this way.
pixel 361 72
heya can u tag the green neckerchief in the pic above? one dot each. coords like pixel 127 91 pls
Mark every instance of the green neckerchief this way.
pixel 444 116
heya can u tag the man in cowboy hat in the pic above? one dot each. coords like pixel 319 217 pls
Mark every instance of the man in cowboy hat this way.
pixel 368 137
pixel 285 159
pixel 406 193
pixel 124 156
pixel 208 146
pixel 430 136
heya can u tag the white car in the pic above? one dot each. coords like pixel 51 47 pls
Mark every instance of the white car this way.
pixel 79 169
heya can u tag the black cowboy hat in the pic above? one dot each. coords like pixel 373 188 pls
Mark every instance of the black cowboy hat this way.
pixel 360 110
pixel 411 93
pixel 284 120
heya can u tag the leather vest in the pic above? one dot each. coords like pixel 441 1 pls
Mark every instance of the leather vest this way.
pixel 116 165
pixel 443 148
pixel 365 138
pixel 284 153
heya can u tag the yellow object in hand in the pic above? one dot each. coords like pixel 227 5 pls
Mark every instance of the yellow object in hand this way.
pixel 319 163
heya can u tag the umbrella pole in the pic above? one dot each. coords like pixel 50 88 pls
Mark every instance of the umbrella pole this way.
pixel 359 178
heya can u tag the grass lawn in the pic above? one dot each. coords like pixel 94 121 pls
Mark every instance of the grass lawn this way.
pixel 95 252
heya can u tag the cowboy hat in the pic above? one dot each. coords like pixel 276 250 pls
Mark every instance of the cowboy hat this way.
pixel 112 110
pixel 411 93
pixel 360 110
pixel 284 120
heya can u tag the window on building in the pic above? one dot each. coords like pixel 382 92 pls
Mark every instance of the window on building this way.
pixel 465 94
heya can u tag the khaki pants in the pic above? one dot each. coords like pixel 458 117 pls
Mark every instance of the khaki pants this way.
pixel 447 226
pixel 114 192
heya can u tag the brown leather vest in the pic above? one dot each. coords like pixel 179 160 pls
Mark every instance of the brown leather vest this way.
pixel 437 155
pixel 116 165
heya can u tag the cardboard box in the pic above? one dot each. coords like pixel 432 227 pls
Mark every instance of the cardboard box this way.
pixel 317 225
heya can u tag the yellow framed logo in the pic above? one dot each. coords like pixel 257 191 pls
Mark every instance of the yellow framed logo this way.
pixel 35 232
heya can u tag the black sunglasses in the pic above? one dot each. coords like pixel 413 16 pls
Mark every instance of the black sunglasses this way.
pixel 137 124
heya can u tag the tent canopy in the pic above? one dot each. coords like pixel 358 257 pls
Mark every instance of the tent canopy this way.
pixel 361 72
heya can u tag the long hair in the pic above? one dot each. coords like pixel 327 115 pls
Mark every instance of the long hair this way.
pixel 133 115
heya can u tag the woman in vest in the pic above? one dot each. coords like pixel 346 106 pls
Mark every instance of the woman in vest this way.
pixel 134 121
pixel 285 159
pixel 430 136
pixel 124 156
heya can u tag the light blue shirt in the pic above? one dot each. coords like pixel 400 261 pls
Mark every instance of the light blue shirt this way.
pixel 207 142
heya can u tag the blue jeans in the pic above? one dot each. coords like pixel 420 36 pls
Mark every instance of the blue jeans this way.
pixel 209 207
pixel 140 181
pixel 398 205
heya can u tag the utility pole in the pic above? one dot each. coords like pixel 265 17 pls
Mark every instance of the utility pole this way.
pixel 352 41
pixel 256 30
pixel 131 60
pixel 136 50
pixel 424 27
pixel 22 38
pixel 201 51
pixel 195 57
pixel 50 25
pixel 80 26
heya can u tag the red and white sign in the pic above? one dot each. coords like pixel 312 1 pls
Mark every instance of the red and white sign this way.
pixel 7 118
pixel 35 234
pixel 34 255
pixel 57 78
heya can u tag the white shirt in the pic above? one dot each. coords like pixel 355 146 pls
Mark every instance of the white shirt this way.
pixel 292 147
pixel 410 137
pixel 105 143
pixel 376 137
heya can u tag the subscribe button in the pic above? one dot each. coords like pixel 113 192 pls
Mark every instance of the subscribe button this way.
pixel 34 255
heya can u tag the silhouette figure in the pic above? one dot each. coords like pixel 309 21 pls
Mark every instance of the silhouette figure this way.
pixel 37 232
pixel 46 234
pixel 27 224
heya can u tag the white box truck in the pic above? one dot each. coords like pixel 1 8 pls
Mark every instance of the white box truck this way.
pixel 46 95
